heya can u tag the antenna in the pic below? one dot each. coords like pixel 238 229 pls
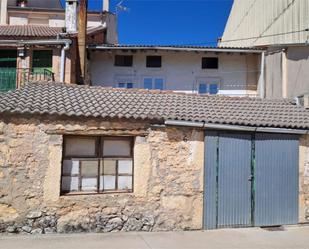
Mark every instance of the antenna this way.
pixel 121 8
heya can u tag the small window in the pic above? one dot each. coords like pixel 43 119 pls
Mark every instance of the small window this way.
pixel 127 85
pixel 123 60
pixel 208 87
pixel 210 63
pixel 153 61
pixel 97 165
pixel 154 83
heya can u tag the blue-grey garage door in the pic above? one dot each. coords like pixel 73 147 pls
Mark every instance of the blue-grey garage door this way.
pixel 250 180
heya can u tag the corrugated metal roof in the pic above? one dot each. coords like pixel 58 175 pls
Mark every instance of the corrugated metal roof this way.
pixel 99 102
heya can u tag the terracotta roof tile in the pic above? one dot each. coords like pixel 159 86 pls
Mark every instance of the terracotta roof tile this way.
pixel 84 101
pixel 29 31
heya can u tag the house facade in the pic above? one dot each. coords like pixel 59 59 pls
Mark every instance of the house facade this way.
pixel 283 31
pixel 205 70
pixel 92 159
pixel 39 41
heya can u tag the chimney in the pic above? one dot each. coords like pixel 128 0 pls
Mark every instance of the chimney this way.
pixel 105 5
pixel 71 16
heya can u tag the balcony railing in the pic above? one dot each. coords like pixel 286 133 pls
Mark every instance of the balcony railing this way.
pixel 12 78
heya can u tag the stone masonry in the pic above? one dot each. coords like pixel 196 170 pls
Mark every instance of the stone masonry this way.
pixel 168 179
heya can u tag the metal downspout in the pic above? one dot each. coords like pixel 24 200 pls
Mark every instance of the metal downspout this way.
pixel 62 62
pixel 262 76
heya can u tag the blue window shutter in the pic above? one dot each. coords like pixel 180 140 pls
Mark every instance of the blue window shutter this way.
pixel 159 84
pixel 202 88
pixel 148 83
pixel 213 88
pixel 129 85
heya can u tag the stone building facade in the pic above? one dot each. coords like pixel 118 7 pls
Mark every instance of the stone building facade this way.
pixel 168 179
pixel 169 153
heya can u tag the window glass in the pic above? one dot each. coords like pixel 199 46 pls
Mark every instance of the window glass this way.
pixel 129 85
pixel 210 63
pixel 122 85
pixel 125 167
pixel 123 60
pixel 109 167
pixel 117 148
pixel 89 168
pixel 153 61
pixel 158 84
pixel 148 83
pixel 202 88
pixel 89 184
pixel 213 88
pixel 70 167
pixel 69 183
pixel 109 182
pixel 75 146
pixel 125 182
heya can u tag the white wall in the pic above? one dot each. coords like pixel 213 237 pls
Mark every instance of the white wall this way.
pixel 181 70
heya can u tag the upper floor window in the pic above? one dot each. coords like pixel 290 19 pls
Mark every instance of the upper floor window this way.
pixel 208 86
pixel 153 61
pixel 154 83
pixel 97 164
pixel 127 85
pixel 210 63
pixel 123 60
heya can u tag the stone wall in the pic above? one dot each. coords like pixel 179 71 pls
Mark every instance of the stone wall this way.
pixel 168 179
pixel 304 179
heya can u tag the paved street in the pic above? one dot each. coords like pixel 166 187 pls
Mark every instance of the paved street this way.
pixel 292 237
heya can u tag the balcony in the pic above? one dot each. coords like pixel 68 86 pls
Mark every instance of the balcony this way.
pixel 12 78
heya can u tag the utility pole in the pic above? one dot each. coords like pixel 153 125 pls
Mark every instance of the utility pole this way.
pixel 81 40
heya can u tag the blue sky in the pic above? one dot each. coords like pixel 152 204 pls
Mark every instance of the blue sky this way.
pixel 168 22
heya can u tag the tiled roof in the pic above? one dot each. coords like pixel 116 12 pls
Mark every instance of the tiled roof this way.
pixel 83 101
pixel 29 31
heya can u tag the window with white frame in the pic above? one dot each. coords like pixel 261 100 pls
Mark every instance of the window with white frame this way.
pixel 153 83
pixel 97 164
pixel 208 86
pixel 125 81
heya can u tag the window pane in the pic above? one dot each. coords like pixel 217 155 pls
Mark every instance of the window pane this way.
pixel 125 182
pixel 80 147
pixel 202 88
pixel 153 61
pixel 70 167
pixel 148 83
pixel 213 88
pixel 69 183
pixel 159 84
pixel 125 167
pixel 210 63
pixel 89 184
pixel 89 168
pixel 123 60
pixel 129 85
pixel 121 85
pixel 109 182
pixel 117 148
pixel 109 167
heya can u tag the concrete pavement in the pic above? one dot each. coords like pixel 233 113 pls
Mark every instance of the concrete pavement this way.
pixel 292 237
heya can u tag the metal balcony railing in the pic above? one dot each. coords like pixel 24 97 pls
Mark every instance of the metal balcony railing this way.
pixel 12 78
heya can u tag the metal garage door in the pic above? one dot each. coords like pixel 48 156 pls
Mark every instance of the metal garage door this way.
pixel 276 179
pixel 250 179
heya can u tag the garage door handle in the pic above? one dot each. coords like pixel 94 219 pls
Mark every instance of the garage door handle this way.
pixel 250 178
